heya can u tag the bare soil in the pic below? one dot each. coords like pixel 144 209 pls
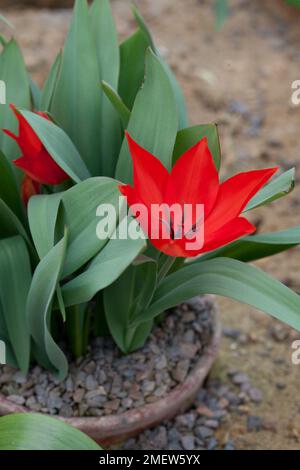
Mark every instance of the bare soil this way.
pixel 241 78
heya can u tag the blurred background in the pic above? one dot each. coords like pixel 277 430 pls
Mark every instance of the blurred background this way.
pixel 239 77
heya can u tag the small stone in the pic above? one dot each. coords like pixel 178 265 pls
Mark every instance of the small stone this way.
pixel 240 378
pixel 17 399
pixel 161 363
pixel 223 403
pixel 254 423
pixel 204 411
pixel 280 385
pixel 181 370
pixel 19 378
pixel 66 411
pixel 279 333
pixel 212 444
pixel 160 438
pixel 91 383
pixel 188 350
pixel 148 386
pixel 203 432
pixel 127 402
pixel 255 394
pixel 232 333
pixel 69 384
pixel 112 405
pixel 186 421
pixel 211 423
pixel 78 395
pixel 188 442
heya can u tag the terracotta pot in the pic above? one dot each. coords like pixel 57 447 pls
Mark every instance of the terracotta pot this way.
pixel 107 430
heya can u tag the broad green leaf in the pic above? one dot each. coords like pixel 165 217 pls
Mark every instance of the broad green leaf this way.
pixel 188 137
pixel 35 93
pixel 105 268
pixel 79 206
pixel 32 431
pixel 125 299
pixel 15 278
pixel 117 102
pixel 76 104
pixel 183 120
pixel 105 36
pixel 49 87
pixel 277 188
pixel 39 310
pixel 229 278
pixel 257 246
pixel 132 66
pixel 59 145
pixel 42 216
pixel 10 224
pixel 14 75
pixel 9 191
pixel 154 119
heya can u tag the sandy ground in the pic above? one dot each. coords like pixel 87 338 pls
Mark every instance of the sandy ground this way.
pixel 241 78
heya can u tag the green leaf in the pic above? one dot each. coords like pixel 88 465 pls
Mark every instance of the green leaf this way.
pixel 188 137
pixel 183 120
pixel 221 11
pixel 9 191
pixel 154 119
pixel 10 224
pixel 40 432
pixel 105 36
pixel 132 66
pixel 14 74
pixel 257 246
pixel 42 216
pixel 80 205
pixel 15 278
pixel 76 104
pixel 35 93
pixel 49 87
pixel 59 145
pixel 117 102
pixel 105 268
pixel 277 188
pixel 126 299
pixel 229 278
pixel 39 310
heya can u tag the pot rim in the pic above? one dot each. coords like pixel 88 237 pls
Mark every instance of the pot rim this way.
pixel 110 429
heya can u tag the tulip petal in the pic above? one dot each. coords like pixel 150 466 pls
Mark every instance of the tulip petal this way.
pixel 194 178
pixel 27 140
pixel 236 228
pixel 42 168
pixel 149 175
pixel 233 196
pixel 29 189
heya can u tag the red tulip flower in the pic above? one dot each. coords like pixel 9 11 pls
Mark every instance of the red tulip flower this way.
pixel 36 162
pixel 29 188
pixel 193 181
